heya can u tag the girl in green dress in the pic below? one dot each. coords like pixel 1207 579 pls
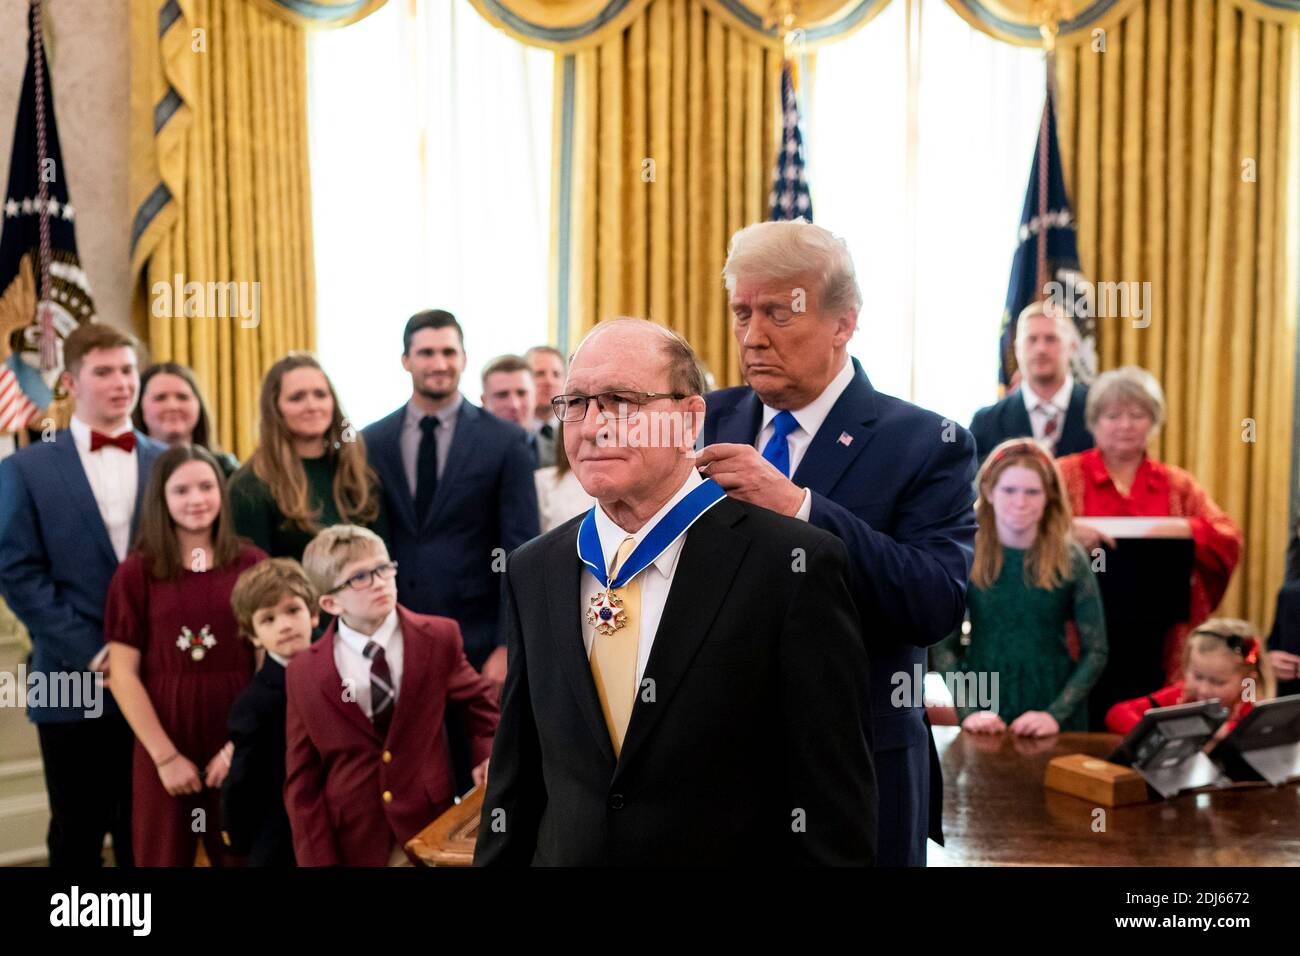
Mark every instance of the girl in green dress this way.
pixel 1014 670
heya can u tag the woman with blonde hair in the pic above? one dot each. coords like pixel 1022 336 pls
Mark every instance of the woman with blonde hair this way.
pixel 1029 580
pixel 1225 660
pixel 309 469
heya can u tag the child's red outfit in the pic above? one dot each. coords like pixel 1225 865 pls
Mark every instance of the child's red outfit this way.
pixel 1125 715
pixel 193 664
pixel 356 791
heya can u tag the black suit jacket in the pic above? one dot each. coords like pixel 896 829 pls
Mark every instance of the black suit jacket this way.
pixel 1286 631
pixel 1008 418
pixel 486 500
pixel 253 817
pixel 753 748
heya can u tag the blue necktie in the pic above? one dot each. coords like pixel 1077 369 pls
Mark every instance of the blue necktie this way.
pixel 777 449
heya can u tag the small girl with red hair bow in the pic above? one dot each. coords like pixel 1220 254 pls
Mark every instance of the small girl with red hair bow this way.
pixel 1224 660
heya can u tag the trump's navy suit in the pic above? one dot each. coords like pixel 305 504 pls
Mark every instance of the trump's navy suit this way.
pixel 895 483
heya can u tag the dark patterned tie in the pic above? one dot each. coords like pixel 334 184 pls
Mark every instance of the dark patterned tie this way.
pixel 381 688
pixel 426 467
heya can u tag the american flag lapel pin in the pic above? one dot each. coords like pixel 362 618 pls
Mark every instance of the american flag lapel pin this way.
pixel 845 439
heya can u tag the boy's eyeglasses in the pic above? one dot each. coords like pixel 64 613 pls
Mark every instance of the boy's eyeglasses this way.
pixel 361 580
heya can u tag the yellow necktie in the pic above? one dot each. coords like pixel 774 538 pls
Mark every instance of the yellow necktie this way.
pixel 613 658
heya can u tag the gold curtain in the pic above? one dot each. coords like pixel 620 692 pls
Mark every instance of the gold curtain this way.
pixel 1180 150
pixel 664 142
pixel 568 26
pixel 222 194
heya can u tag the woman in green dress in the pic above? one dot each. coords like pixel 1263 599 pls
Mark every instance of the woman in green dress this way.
pixel 1014 671
pixel 309 469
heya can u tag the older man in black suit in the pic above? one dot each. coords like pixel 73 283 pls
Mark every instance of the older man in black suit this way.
pixel 686 681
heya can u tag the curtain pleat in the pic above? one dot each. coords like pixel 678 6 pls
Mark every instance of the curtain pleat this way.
pixel 239 208
pixel 671 143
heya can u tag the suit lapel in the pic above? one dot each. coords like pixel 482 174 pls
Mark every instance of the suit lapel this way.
pixel 462 440
pixel 740 424
pixel 842 437
pixel 329 681
pixel 702 580
pixel 564 613
pixel 1074 426
pixel 415 660
pixel 388 456
pixel 145 456
pixel 1017 416
pixel 79 494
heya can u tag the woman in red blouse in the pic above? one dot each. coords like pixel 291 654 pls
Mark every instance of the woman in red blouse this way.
pixel 1125 408
pixel 1225 661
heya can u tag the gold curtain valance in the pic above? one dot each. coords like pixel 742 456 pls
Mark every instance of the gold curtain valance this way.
pixel 1017 21
pixel 571 25
pixel 320 13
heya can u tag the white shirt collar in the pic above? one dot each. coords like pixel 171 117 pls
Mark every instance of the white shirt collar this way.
pixel 812 415
pixel 81 432
pixel 611 535
pixel 383 634
pixel 282 661
pixel 1060 400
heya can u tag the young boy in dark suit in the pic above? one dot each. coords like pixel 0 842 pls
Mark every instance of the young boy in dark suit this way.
pixel 274 604
pixel 367 765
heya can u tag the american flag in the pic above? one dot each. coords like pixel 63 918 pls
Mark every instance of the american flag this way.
pixel 44 293
pixel 790 198
pixel 1047 251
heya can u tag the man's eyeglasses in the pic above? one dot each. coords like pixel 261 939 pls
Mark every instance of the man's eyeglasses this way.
pixel 361 580
pixel 615 406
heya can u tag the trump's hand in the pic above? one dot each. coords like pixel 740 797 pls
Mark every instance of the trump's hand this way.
pixel 745 474
pixel 479 774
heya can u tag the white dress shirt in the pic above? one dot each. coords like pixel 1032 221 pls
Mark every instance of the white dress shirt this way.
pixel 810 419
pixel 354 666
pixel 656 580
pixel 408 440
pixel 559 499
pixel 1042 410
pixel 113 475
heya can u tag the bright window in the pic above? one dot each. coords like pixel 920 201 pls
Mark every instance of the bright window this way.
pixel 978 112
pixel 431 171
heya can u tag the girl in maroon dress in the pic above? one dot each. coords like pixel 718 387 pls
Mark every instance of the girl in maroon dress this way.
pixel 176 662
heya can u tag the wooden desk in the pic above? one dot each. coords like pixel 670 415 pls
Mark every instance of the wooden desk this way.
pixel 449 840
pixel 997 812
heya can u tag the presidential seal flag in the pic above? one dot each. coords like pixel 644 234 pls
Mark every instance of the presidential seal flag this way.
pixel 1046 261
pixel 43 291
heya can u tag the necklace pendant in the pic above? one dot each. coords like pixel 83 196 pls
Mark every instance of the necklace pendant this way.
pixel 606 613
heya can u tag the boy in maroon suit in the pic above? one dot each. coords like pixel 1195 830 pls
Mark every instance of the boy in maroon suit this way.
pixel 367 765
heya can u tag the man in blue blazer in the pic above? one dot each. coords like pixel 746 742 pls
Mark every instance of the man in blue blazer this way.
pixel 1048 405
pixel 459 487
pixel 810 437
pixel 68 513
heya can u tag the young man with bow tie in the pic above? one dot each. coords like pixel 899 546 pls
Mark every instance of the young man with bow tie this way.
pixel 68 511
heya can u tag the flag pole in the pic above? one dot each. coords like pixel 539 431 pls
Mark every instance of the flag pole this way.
pixel 49 354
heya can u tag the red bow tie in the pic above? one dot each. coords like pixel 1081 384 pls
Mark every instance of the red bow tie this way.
pixel 124 441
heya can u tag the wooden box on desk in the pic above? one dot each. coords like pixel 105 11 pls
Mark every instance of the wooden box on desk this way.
pixel 1095 780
